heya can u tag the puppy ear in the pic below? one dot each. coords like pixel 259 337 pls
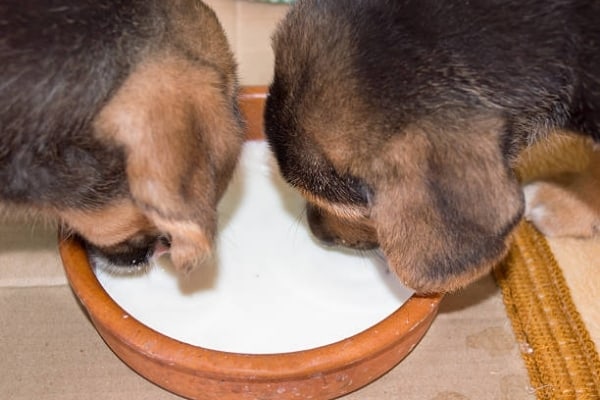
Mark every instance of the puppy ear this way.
pixel 181 138
pixel 445 203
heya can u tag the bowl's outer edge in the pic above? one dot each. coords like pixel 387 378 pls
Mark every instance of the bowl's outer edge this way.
pixel 200 374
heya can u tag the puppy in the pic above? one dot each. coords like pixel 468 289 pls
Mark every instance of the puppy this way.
pixel 400 120
pixel 120 119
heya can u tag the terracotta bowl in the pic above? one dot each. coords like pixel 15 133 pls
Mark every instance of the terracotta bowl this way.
pixel 325 372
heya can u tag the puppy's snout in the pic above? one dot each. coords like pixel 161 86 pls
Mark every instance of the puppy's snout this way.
pixel 332 230
pixel 317 226
pixel 131 255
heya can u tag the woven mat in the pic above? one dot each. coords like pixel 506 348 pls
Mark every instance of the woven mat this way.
pixel 560 356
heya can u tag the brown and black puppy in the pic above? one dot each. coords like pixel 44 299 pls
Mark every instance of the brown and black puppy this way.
pixel 399 120
pixel 121 119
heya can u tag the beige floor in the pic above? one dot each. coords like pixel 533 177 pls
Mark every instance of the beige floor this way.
pixel 51 351
pixel 580 262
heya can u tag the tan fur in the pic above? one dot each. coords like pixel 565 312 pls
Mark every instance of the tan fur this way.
pixel 174 121
pixel 174 117
pixel 181 143
pixel 107 226
pixel 356 231
pixel 343 211
pixel 405 218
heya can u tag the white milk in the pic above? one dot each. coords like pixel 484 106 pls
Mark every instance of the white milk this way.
pixel 271 287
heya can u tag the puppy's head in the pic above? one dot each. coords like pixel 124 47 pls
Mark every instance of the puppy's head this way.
pixel 175 120
pixel 395 160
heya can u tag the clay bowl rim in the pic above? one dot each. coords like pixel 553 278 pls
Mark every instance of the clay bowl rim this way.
pixel 182 356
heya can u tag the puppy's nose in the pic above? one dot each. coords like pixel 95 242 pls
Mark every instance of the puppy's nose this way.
pixel 326 240
pixel 162 246
pixel 316 223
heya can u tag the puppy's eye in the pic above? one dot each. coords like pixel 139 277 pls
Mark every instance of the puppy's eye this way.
pixel 358 191
pixel 328 185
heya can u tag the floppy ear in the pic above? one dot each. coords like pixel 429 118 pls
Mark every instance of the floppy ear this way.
pixel 182 139
pixel 444 210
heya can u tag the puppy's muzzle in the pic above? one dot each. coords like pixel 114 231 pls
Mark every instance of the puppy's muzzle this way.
pixel 130 256
pixel 335 231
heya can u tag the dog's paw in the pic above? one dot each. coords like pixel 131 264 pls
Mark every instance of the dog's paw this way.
pixel 562 209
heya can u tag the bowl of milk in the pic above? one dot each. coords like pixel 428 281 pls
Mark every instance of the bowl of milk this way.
pixel 273 315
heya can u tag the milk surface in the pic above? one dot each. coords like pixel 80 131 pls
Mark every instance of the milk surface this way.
pixel 271 288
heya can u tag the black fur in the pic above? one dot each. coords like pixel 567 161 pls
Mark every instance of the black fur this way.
pixel 372 73
pixel 60 64
pixel 536 61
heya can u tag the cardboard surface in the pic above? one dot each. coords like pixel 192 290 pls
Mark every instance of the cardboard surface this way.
pixel 28 255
